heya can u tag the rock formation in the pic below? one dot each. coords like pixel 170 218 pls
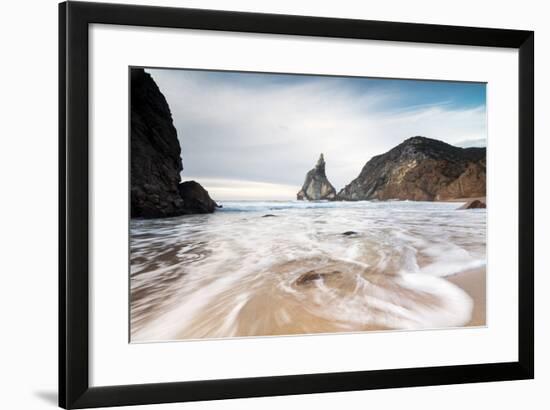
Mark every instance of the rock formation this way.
pixel 155 188
pixel 196 198
pixel 474 204
pixel 420 169
pixel 316 186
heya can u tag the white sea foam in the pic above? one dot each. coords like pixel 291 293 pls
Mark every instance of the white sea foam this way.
pixel 236 272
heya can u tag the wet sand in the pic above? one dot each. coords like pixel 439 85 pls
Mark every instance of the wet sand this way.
pixel 237 274
pixel 473 282
pixel 270 312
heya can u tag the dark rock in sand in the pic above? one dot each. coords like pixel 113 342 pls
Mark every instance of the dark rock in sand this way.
pixel 475 204
pixel 420 169
pixel 312 276
pixel 156 157
pixel 269 216
pixel 316 186
pixel 350 233
pixel 196 197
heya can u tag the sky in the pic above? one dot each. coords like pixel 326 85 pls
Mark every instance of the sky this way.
pixel 256 135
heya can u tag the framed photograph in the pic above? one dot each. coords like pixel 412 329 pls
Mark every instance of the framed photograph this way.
pixel 257 204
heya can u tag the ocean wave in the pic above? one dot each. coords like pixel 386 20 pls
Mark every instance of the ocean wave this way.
pixel 258 206
pixel 313 267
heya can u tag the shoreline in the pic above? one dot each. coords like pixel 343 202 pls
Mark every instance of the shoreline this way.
pixel 233 277
pixel 476 198
pixel 474 283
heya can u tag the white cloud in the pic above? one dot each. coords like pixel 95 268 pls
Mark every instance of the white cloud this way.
pixel 230 189
pixel 274 133
pixel 482 142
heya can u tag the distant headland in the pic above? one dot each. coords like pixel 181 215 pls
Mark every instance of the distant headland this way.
pixel 418 169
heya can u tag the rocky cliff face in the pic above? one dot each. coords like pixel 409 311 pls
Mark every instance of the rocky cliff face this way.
pixel 420 169
pixel 155 189
pixel 316 186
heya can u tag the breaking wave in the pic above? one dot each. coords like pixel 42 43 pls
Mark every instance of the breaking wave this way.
pixel 275 268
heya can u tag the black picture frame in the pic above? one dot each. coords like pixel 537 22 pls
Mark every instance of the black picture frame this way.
pixel 74 20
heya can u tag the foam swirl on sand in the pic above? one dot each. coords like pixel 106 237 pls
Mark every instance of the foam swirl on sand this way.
pixel 311 268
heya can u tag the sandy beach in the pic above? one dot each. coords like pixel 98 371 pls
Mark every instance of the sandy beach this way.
pixel 473 282
pixel 310 268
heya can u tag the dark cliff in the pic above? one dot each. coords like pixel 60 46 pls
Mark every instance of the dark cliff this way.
pixel 156 157
pixel 421 169
pixel 316 185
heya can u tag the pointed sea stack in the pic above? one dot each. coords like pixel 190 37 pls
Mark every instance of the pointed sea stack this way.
pixel 316 186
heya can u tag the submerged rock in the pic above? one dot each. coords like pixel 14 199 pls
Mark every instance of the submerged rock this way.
pixel 269 216
pixel 316 186
pixel 475 204
pixel 350 233
pixel 155 157
pixel 312 276
pixel 420 169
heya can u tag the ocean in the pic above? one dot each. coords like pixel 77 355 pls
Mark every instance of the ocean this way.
pixel 264 268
